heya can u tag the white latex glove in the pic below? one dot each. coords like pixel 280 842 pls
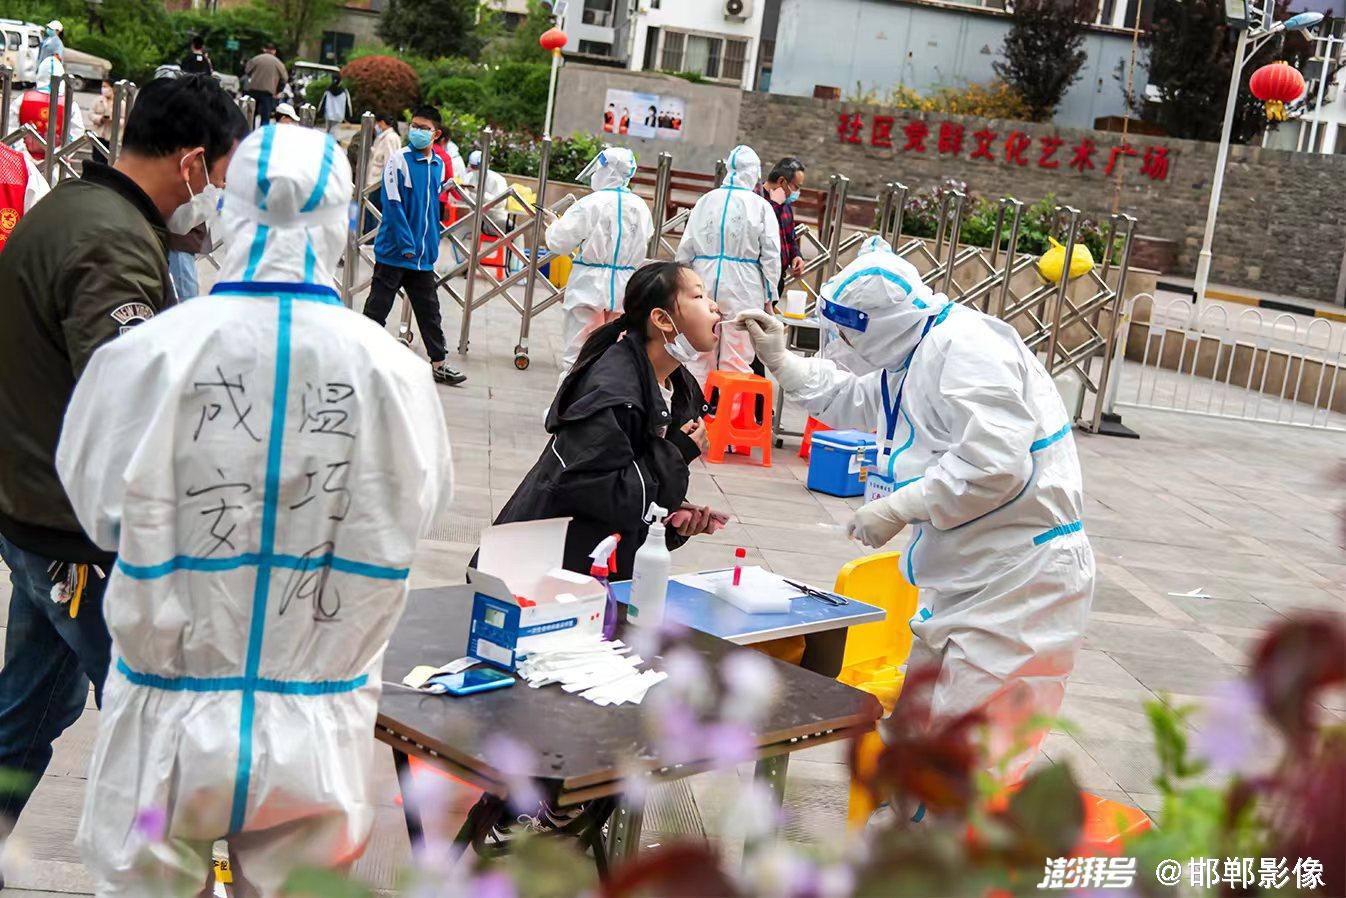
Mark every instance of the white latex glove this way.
pixel 768 339
pixel 876 523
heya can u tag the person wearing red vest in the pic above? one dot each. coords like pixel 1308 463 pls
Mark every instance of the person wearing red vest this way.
pixel 21 185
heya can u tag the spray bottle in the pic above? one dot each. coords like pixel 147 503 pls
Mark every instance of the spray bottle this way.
pixel 649 579
pixel 604 558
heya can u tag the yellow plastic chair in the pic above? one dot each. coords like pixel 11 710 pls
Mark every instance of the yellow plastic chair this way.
pixel 875 652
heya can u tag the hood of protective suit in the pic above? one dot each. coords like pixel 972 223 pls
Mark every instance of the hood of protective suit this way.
pixel 742 168
pixel 885 294
pixel 50 68
pixel 286 207
pixel 614 168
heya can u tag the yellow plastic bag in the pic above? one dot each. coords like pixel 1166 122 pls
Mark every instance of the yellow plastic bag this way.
pixel 526 192
pixel 1053 260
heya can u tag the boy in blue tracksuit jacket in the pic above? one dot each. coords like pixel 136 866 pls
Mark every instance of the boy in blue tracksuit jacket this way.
pixel 407 244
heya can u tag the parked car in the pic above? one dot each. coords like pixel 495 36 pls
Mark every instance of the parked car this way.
pixel 86 71
pixel 21 43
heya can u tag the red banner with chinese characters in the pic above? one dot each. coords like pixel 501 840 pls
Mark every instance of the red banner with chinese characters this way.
pixel 1009 148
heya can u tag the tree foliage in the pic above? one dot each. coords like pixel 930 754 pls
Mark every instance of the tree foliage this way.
pixel 1043 53
pixel 299 20
pixel 432 28
pixel 1191 55
pixel 521 45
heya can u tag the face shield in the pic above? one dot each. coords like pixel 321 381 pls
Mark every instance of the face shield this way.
pixel 872 312
pixel 286 207
pixel 613 167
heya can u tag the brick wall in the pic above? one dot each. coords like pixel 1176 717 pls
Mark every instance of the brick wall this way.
pixel 1282 224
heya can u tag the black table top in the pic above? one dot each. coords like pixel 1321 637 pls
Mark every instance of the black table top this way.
pixel 577 745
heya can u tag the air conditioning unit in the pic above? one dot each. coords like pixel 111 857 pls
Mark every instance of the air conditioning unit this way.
pixel 737 9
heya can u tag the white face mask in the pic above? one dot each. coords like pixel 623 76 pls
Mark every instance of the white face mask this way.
pixel 196 210
pixel 680 348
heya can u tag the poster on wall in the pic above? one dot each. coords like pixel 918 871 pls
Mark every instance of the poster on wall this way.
pixel 643 115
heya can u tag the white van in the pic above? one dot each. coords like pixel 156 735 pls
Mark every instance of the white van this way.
pixel 21 43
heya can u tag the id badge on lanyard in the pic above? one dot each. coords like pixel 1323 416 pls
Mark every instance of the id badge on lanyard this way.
pixel 879 481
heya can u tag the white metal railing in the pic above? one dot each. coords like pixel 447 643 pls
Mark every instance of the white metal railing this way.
pixel 1246 365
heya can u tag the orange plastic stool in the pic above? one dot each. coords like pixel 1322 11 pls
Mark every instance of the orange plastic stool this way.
pixel 496 259
pixel 742 431
pixel 807 443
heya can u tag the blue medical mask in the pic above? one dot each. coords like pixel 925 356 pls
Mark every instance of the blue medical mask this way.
pixel 419 138
pixel 794 195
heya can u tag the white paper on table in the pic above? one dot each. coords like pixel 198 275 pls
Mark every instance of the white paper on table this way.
pixel 764 583
pixel 759 591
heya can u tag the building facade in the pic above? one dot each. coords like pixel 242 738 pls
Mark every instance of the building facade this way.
pixel 856 46
pixel 715 40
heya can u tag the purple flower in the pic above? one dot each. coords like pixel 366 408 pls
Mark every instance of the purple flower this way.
pixel 516 763
pixel 152 823
pixel 1226 735
pixel 494 884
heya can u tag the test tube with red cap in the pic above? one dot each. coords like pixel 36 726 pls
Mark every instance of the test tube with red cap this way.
pixel 739 554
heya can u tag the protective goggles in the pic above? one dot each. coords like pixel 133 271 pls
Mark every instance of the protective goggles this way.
pixel 845 316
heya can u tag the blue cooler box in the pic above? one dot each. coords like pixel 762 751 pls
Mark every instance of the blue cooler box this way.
pixel 838 460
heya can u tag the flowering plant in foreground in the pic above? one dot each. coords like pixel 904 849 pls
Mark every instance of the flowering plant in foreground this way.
pixel 1231 791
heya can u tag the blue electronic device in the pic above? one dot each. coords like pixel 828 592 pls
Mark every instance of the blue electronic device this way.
pixel 468 682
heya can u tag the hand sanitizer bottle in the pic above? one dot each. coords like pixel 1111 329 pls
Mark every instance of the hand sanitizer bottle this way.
pixel 649 575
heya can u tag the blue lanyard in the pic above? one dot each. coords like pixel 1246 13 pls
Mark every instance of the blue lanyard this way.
pixel 892 409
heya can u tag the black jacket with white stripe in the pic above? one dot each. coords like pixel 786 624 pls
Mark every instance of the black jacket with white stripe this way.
pixel 615 448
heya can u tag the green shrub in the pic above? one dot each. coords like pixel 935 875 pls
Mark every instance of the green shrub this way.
pixel 456 92
pixel 1036 225
pixel 381 84
pixel 315 89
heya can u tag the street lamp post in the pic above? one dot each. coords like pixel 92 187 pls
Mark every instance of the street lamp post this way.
pixel 1250 40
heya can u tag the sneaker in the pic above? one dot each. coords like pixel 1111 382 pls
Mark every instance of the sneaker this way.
pixel 446 375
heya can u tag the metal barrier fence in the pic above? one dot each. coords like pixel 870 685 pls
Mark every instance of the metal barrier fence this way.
pixel 1073 325
pixel 496 245
pixel 1244 364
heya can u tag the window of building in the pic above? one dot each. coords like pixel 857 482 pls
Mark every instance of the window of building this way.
pixel 595 48
pixel 336 47
pixel 598 12
pixel 651 48
pixel 712 56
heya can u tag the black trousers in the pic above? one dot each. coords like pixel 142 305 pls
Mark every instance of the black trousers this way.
pixel 420 287
pixel 265 105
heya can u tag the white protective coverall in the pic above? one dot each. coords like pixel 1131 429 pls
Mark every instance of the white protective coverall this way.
pixel 263 460
pixel 47 70
pixel 496 185
pixel 611 228
pixel 732 239
pixel 978 454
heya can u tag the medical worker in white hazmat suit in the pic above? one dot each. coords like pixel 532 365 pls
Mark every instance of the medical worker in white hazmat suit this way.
pixel 262 460
pixel 978 459
pixel 611 228
pixel 732 239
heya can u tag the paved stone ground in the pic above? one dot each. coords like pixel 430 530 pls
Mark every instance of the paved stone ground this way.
pixel 1243 511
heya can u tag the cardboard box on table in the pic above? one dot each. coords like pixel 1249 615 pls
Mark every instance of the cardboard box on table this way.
pixel 523 596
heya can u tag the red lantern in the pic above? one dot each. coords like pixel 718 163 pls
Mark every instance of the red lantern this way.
pixel 553 39
pixel 1277 84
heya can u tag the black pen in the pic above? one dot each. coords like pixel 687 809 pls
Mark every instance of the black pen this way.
pixel 817 594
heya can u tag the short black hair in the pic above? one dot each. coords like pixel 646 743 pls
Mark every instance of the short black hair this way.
pixel 269 45
pixel 386 117
pixel 785 169
pixel 428 112
pixel 198 42
pixel 192 111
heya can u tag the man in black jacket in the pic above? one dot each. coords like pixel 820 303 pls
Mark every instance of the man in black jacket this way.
pixel 86 264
